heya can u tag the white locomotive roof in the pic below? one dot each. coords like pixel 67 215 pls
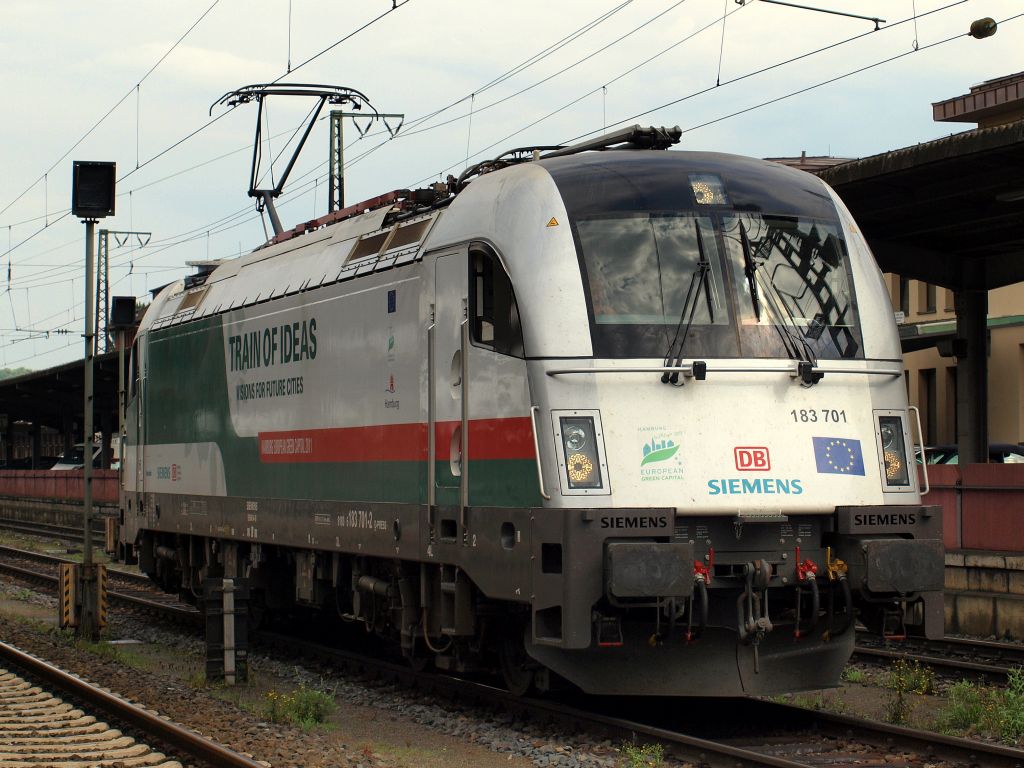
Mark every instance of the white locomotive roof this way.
pixel 334 253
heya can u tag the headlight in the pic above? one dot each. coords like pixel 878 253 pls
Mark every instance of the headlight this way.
pixel 582 465
pixel 894 451
pixel 888 431
pixel 575 437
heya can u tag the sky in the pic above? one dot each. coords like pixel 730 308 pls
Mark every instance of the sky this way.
pixel 133 81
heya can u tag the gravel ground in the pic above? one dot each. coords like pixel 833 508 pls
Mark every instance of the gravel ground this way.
pixel 374 724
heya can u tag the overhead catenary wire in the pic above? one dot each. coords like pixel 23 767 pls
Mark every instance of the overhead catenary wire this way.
pixel 189 135
pixel 590 25
pixel 631 69
pixel 695 127
pixel 117 104
pixel 520 67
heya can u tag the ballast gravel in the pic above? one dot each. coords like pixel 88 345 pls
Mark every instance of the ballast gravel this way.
pixel 463 731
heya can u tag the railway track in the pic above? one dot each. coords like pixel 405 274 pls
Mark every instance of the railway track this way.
pixel 987 659
pixel 50 530
pixel 713 732
pixel 132 589
pixel 38 727
pixel 760 733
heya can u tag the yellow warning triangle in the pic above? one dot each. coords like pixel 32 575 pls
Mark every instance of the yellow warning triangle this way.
pixel 553 222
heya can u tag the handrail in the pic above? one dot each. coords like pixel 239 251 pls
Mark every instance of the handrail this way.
pixel 431 419
pixel 464 447
pixel 534 409
pixel 924 459
pixel 687 370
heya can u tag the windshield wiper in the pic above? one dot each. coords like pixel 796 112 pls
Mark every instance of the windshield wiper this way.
pixel 796 346
pixel 750 270
pixel 699 280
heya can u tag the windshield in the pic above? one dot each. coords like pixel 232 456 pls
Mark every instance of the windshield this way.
pixel 797 281
pixel 776 286
pixel 641 268
pixel 758 248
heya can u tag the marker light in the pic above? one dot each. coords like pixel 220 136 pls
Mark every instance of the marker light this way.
pixel 708 189
pixel 579 468
pixel 582 466
pixel 894 450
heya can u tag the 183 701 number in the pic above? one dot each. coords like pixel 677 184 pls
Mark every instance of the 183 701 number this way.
pixel 813 416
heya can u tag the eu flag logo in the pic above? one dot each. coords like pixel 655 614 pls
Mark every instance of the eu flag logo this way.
pixel 838 456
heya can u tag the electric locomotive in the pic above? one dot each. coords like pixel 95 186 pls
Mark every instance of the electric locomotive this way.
pixel 615 414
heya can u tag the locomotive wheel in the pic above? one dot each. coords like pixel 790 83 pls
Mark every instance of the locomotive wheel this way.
pixel 418 662
pixel 517 668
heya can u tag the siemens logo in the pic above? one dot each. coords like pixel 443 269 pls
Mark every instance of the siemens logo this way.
pixel 886 518
pixel 634 522
pixel 771 486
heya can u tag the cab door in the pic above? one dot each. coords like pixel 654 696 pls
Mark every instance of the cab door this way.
pixel 449 403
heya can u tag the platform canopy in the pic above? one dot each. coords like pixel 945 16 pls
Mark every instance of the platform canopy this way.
pixel 948 212
pixel 55 398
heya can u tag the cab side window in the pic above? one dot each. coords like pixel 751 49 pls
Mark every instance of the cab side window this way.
pixel 494 316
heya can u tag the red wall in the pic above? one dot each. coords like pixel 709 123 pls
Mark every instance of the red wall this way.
pixel 993 506
pixel 982 505
pixel 65 486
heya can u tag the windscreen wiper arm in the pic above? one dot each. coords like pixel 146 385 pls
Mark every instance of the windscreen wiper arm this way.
pixel 698 280
pixel 750 270
pixel 796 346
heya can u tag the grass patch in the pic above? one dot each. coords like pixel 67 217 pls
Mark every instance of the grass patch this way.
pixel 853 675
pixel 642 755
pixel 973 708
pixel 117 653
pixel 815 702
pixel 304 707
pixel 903 679
pixel 910 677
pixel 1011 718
pixel 969 708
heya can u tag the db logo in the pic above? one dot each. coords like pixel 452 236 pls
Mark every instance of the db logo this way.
pixel 752 459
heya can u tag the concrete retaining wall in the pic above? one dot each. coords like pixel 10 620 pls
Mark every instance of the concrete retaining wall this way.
pixel 985 594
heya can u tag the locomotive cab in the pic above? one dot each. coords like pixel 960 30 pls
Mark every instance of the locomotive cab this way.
pixel 722 422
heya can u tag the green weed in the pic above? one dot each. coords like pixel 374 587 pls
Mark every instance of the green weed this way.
pixel 1011 715
pixel 853 675
pixel 973 708
pixel 304 707
pixel 910 677
pixel 642 755
pixel 903 679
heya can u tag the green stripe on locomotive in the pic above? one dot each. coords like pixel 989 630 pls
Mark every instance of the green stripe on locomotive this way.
pixel 187 402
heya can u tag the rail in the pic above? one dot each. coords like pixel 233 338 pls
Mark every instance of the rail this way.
pixel 172 734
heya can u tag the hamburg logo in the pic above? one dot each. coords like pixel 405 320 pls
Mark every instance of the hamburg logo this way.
pixel 838 456
pixel 660 457
pixel 752 459
pixel 658 450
